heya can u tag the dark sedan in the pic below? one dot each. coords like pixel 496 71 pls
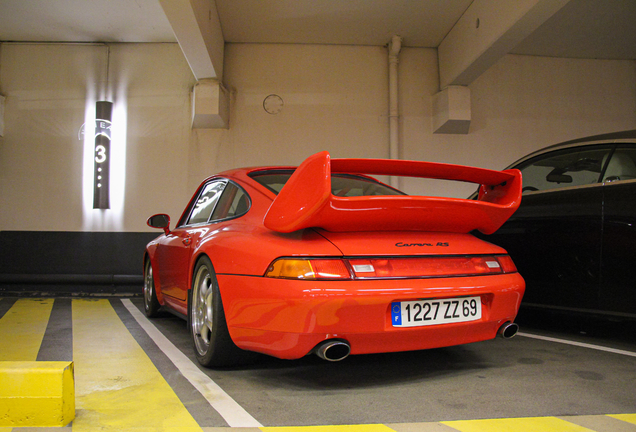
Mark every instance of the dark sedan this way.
pixel 574 236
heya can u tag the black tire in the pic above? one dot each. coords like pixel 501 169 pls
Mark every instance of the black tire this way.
pixel 151 304
pixel 213 345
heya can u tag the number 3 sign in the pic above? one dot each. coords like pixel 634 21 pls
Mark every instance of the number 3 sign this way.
pixel 101 175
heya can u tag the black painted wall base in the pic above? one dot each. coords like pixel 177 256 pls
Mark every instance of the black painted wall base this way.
pixel 72 263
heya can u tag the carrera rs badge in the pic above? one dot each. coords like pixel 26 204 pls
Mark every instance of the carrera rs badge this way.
pixel 441 244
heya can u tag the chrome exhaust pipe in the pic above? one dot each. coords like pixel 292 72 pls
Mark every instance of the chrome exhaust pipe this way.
pixel 333 350
pixel 508 330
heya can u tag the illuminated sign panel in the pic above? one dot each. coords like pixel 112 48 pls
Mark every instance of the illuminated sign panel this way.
pixel 101 176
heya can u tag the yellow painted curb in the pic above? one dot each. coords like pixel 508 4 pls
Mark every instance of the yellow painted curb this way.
pixel 36 393
pixel 335 428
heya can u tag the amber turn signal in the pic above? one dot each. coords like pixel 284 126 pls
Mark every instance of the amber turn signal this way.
pixel 314 269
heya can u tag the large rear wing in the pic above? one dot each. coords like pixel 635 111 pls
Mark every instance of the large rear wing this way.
pixel 306 200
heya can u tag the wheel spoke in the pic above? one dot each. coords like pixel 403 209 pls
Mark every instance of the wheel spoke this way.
pixel 206 284
pixel 205 334
pixel 209 314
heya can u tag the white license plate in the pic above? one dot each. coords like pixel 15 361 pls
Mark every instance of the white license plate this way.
pixel 433 312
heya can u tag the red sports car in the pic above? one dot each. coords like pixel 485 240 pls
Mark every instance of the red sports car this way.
pixel 325 259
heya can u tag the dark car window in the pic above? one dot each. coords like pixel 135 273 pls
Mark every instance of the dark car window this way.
pixel 234 202
pixel 342 185
pixel 567 168
pixel 622 165
pixel 206 201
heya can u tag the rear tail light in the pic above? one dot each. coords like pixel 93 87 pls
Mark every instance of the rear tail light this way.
pixel 388 268
pixel 426 267
pixel 308 269
pixel 507 264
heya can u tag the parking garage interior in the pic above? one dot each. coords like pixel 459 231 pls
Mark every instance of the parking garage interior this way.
pixel 201 86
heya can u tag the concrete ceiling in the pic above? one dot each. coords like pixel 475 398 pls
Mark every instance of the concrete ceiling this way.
pixel 598 29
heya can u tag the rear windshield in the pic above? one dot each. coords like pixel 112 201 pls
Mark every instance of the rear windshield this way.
pixel 342 185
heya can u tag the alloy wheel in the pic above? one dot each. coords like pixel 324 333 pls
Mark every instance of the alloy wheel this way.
pixel 148 283
pixel 202 309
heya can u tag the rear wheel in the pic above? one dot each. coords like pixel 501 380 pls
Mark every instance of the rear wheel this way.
pixel 151 304
pixel 213 345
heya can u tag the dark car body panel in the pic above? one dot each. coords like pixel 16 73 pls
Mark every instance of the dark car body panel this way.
pixel 575 244
pixel 618 290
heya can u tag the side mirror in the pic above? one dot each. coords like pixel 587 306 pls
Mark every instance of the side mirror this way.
pixel 161 221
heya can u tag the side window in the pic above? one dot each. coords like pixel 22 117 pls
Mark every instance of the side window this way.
pixel 205 203
pixel 233 202
pixel 621 166
pixel 572 167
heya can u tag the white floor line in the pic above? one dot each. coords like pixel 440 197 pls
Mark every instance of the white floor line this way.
pixel 579 344
pixel 232 412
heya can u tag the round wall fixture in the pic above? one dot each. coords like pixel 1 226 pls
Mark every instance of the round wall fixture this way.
pixel 273 104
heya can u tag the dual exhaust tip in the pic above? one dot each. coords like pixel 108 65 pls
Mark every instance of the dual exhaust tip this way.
pixel 508 330
pixel 334 350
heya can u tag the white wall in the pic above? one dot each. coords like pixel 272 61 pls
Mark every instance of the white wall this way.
pixel 48 89
pixel 336 99
pixel 519 105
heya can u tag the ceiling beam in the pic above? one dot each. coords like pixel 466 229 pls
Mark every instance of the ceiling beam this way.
pixel 197 28
pixel 488 30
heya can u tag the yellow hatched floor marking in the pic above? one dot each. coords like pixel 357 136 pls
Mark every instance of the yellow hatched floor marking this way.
pixel 344 428
pixel 22 329
pixel 629 418
pixel 529 424
pixel 117 387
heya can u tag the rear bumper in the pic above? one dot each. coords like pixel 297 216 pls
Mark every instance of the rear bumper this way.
pixel 288 318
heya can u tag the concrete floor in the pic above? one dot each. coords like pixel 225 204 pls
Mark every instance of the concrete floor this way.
pixel 131 376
